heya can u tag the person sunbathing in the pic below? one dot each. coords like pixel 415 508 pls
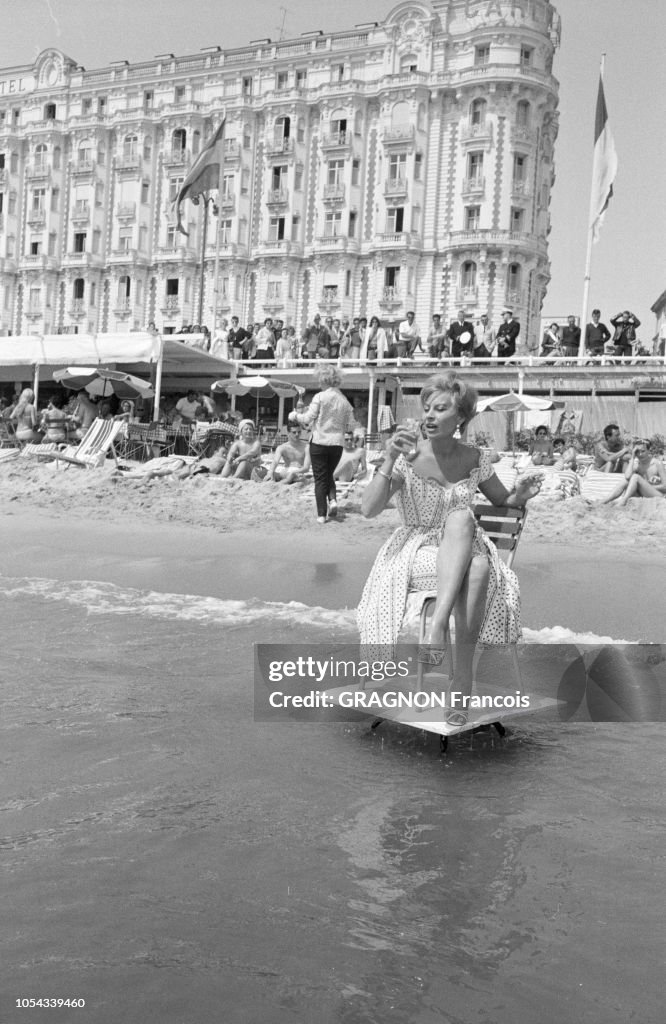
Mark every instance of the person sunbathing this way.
pixel 54 422
pixel 244 454
pixel 352 462
pixel 24 417
pixel 644 477
pixel 541 447
pixel 295 454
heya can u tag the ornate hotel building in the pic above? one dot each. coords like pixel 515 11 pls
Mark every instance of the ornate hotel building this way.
pixel 399 165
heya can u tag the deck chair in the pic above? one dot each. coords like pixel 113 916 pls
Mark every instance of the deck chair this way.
pixel 8 435
pixel 504 526
pixel 92 449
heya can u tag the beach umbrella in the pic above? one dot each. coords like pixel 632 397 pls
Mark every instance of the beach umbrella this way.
pixel 100 382
pixel 261 387
pixel 512 403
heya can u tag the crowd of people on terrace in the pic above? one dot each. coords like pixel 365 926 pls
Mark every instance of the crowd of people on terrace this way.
pixel 370 340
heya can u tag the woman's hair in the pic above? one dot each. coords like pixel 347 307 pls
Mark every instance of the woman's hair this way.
pixel 127 405
pixel 245 423
pixel 26 397
pixel 328 377
pixel 464 396
pixel 57 402
pixel 375 319
pixel 540 428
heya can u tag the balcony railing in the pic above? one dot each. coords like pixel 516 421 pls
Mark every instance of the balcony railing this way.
pixel 334 193
pixel 81 212
pixel 468 293
pixel 39 169
pixel 83 166
pixel 474 186
pixel 330 298
pixel 482 131
pixel 279 145
pixel 77 308
pixel 128 161
pixel 227 202
pixel 36 218
pixel 403 133
pixel 390 296
pixel 126 211
pixel 277 196
pixel 336 140
pixel 177 157
pixel 123 306
pixel 521 189
pixel 395 187
pixel 171 304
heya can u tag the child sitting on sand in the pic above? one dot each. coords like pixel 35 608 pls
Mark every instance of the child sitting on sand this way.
pixel 541 447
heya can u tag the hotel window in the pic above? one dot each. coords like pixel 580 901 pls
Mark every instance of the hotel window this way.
pixel 148 99
pixel 301 79
pixel 332 224
pixel 475 166
pixel 339 128
pixel 522 114
pixel 519 168
pixel 86 105
pixel 101 106
pixel 352 224
pixel 279 177
pixel 392 277
pixel 245 181
pixel 52 244
pixel 125 239
pixel 513 277
pixel 295 227
pixel 172 286
pixel 397 166
pixel 13 163
pixel 171 236
pixel 79 241
pixel 92 293
pixel 57 153
pixel 247 86
pixel 472 218
pixel 36 247
pixel 481 54
pixel 274 291
pixel 78 288
pixel 40 157
pixel 416 218
pixel 99 194
pixel 298 179
pixel 96 240
pixel 38 200
pixel 276 229
pixel 418 166
pixel 175 185
pixel 130 147
pixel 11 245
pixel 408 63
pixel 338 72
pixel 35 300
pixel 468 276
pixel 396 220
pixel 145 191
pixel 179 94
pixel 335 172
pixel 356 171
pixel 228 185
pixel 477 112
pixel 282 81
pixel 143 238
pixel 516 218
pixel 50 112
pixel 526 54
pixel 11 206
pixel 225 232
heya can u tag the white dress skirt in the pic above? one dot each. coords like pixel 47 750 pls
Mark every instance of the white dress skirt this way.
pixel 407 562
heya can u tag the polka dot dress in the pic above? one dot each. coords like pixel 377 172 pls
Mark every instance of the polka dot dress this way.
pixel 408 560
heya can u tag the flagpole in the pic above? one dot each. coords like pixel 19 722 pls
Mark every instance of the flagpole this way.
pixel 216 274
pixel 588 256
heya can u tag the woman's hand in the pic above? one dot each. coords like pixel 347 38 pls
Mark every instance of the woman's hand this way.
pixel 404 441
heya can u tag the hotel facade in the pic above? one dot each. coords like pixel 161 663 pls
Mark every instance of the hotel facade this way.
pixel 401 165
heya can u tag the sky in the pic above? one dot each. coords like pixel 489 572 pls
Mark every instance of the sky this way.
pixel 628 261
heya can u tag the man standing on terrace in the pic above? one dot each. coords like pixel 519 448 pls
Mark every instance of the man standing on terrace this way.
pixel 596 335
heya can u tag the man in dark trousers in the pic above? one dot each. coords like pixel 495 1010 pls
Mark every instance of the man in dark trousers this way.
pixel 461 336
pixel 237 335
pixel 507 335
pixel 625 325
pixel 596 335
pixel 570 340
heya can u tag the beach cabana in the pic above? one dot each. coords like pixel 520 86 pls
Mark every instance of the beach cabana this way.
pixel 160 359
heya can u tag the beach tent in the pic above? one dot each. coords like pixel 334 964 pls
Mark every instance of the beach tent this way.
pixel 158 358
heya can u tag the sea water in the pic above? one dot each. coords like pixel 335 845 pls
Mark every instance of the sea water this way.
pixel 168 859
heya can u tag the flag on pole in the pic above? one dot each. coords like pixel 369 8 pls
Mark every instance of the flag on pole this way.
pixel 204 174
pixel 604 167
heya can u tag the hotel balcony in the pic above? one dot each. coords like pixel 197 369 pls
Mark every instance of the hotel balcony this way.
pixel 514 299
pixel 38 170
pixel 474 187
pixel 273 304
pixel 34 311
pixel 128 162
pixel 122 308
pixel 277 247
pixel 337 141
pixel 127 256
pixel 81 259
pixel 83 167
pixel 398 239
pixel 126 211
pixel 36 219
pixel 330 300
pixel 521 189
pixel 171 305
pixel 77 309
pixel 177 158
pixel 390 298
pixel 227 202
pixel 401 136
pixel 279 146
pixel 334 193
pixel 335 243
pixel 37 262
pixel 522 133
pixel 80 213
pixel 467 296
pixel 395 188
pixel 277 197
pixel 175 254
pixel 473 133
pixel 232 152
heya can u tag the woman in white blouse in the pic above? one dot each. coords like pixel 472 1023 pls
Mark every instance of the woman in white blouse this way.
pixel 330 415
pixel 375 342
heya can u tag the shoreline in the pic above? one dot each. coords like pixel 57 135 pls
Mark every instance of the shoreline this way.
pixel 573 586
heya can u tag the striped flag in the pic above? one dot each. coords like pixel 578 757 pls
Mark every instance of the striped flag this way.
pixel 204 174
pixel 604 167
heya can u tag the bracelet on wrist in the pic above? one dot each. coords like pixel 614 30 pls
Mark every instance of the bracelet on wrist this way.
pixel 380 472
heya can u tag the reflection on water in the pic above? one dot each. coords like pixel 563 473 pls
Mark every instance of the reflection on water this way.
pixel 173 861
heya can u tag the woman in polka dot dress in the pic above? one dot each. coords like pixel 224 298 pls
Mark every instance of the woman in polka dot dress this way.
pixel 441 546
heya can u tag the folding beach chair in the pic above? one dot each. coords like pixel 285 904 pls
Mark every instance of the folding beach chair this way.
pixel 92 449
pixel 504 526
pixel 8 435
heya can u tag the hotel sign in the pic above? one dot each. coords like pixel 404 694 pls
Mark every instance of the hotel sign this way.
pixel 16 86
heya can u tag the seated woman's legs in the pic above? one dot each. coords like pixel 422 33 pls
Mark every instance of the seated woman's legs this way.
pixel 638 485
pixel 453 560
pixel 469 610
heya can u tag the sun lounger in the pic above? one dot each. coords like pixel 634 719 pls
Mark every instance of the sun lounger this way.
pixel 598 486
pixel 92 450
